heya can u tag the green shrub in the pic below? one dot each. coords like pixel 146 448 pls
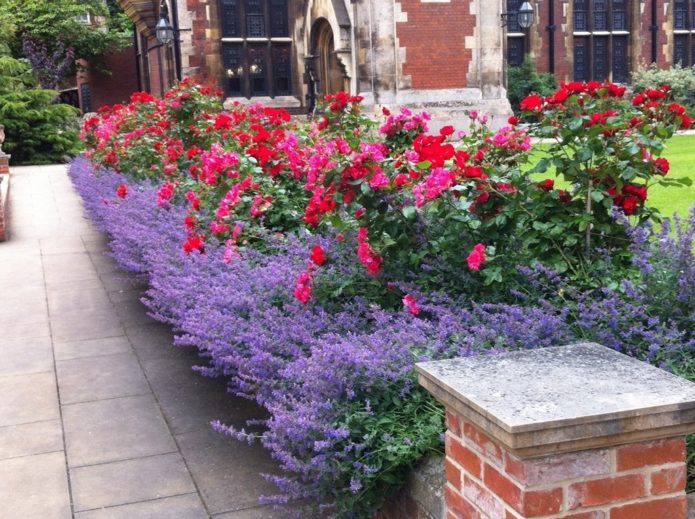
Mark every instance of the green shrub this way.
pixel 524 80
pixel 680 79
pixel 38 130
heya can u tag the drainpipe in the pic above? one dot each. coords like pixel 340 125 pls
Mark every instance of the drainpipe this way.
pixel 177 41
pixel 653 28
pixel 551 36
pixel 138 56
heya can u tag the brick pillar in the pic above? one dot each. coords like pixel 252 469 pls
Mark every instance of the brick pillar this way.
pixel 4 162
pixel 527 437
pixel 639 480
pixel 4 191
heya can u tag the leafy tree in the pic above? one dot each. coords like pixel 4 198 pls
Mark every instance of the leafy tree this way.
pixel 56 23
pixel 38 131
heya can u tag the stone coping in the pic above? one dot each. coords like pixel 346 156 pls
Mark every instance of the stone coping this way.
pixel 563 399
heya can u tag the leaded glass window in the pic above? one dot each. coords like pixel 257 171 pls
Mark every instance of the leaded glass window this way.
pixel 601 50
pixel 256 47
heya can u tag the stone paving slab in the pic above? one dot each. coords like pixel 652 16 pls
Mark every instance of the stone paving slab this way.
pixel 28 398
pixel 91 348
pixel 35 487
pixel 98 378
pixel 116 429
pixel 187 506
pixel 129 481
pixel 31 438
pixel 26 356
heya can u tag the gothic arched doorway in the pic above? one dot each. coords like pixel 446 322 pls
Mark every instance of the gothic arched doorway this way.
pixel 329 73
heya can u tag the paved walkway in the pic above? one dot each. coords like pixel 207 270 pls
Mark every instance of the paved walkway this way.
pixel 100 416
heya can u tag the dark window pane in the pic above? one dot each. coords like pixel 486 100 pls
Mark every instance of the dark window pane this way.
pixel 86 97
pixel 278 18
pixel 680 49
pixel 692 14
pixel 581 59
pixel 258 69
pixel 600 18
pixel 515 51
pixel 255 19
pixel 580 15
pixel 620 59
pixel 619 15
pixel 233 69
pixel 600 58
pixel 282 71
pixel 680 14
pixel 513 7
pixel 229 16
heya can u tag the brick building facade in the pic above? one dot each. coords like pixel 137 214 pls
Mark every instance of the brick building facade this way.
pixel 445 56
pixel 603 39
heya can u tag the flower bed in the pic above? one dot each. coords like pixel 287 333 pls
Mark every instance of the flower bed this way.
pixel 313 264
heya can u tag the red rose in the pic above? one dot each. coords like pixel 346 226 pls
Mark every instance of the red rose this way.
pixel 317 255
pixel 122 190
pixel 532 102
pixel 446 131
pixel 476 257
pixel 546 185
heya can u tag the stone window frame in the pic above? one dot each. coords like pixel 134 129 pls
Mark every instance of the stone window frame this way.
pixel 684 32
pixel 256 50
pixel 610 36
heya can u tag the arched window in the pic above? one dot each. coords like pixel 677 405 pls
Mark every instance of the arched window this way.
pixel 256 47
pixel 601 33
pixel 684 32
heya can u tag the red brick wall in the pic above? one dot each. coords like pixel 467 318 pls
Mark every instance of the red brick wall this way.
pixel 114 87
pixel 434 42
pixel 644 480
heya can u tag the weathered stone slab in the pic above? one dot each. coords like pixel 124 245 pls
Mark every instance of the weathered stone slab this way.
pixel 563 399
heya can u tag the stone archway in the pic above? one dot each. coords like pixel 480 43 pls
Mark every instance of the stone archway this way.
pixel 329 72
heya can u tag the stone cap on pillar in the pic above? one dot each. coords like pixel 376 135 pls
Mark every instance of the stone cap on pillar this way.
pixel 564 398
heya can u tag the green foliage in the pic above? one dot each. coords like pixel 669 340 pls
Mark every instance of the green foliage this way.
pixel 52 21
pixel 524 80
pixel 38 131
pixel 680 79
pixel 395 431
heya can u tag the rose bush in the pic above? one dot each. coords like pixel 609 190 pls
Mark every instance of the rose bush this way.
pixel 279 248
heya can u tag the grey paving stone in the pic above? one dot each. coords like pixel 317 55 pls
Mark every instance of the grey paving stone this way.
pixel 71 327
pixel 98 378
pixel 75 301
pixel 187 506
pixel 70 286
pixel 31 329
pixel 226 471
pixel 132 312
pixel 190 401
pixel 91 348
pixel 28 398
pixel 26 356
pixel 35 487
pixel 129 294
pixel 117 429
pixel 258 512
pixel 31 438
pixel 129 481
pixel 120 280
pixel 61 245
pixel 27 307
